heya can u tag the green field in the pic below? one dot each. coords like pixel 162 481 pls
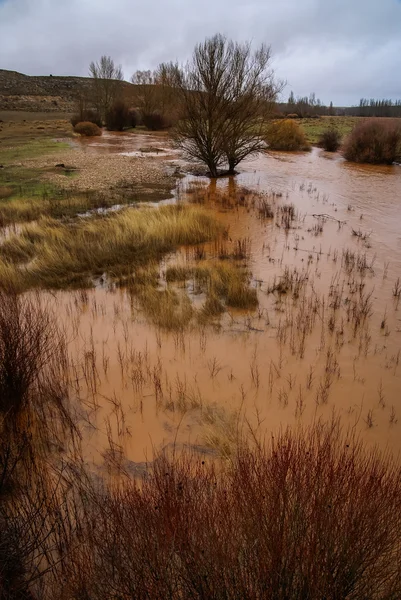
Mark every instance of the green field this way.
pixel 314 127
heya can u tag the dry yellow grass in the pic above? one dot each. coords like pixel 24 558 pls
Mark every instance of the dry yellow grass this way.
pixel 57 254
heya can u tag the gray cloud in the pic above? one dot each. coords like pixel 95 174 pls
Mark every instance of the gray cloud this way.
pixel 341 50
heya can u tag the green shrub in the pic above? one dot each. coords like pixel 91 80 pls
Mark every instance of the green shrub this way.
pixel 374 141
pixel 286 135
pixel 330 139
pixel 88 129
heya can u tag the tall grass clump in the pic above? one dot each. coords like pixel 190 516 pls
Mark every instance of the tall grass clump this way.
pixel 87 129
pixel 310 514
pixel 72 253
pixel 286 135
pixel 375 141
pixel 330 139
pixel 220 280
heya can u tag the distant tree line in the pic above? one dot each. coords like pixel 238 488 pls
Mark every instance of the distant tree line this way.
pixel 376 108
pixel 306 106
pixel 310 106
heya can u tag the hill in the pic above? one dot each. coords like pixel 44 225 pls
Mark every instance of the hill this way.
pixel 45 93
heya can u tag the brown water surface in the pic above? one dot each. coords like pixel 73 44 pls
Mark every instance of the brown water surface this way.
pixel 329 345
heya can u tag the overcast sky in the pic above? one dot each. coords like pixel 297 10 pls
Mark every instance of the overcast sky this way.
pixel 339 49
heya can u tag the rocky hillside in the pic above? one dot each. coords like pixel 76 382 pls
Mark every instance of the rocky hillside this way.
pixel 43 94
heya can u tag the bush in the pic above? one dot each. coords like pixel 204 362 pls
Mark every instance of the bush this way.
pixel 90 116
pixel 117 117
pixel 310 515
pixel 330 140
pixel 155 121
pixel 286 135
pixel 374 141
pixel 87 128
pixel 133 117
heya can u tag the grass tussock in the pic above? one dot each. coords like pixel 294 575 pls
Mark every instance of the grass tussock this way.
pixel 375 141
pixel 311 514
pixel 73 253
pixel 222 281
pixel 165 308
pixel 286 135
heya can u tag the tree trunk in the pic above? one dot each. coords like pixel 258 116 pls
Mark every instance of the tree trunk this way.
pixel 213 169
pixel 231 167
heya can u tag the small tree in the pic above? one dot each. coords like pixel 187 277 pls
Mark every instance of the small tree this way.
pixel 106 83
pixel 226 91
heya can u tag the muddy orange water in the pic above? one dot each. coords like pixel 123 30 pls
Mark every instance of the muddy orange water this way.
pixel 330 345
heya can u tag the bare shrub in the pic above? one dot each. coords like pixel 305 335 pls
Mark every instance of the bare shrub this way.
pixel 330 140
pixel 35 424
pixel 33 383
pixel 133 117
pixel 118 116
pixel 86 115
pixel 155 121
pixel 374 141
pixel 87 129
pixel 286 135
pixel 309 515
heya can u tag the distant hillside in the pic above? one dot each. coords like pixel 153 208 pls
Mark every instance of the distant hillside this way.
pixel 45 93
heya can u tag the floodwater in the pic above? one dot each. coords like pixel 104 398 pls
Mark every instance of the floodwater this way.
pixel 327 343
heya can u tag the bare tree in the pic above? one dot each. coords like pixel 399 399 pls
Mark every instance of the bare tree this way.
pixel 226 91
pixel 147 100
pixel 106 83
pixel 157 89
